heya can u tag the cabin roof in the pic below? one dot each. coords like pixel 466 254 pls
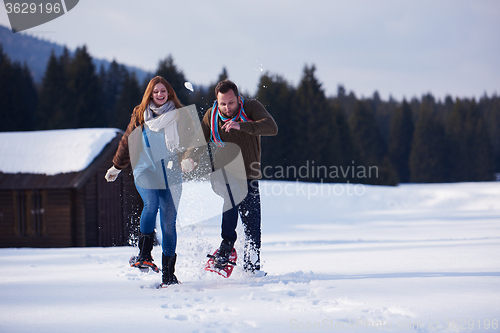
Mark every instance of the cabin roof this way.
pixel 53 159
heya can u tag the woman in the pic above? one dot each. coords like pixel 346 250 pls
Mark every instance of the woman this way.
pixel 155 140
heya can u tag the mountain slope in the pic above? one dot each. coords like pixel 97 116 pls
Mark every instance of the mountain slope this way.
pixel 35 53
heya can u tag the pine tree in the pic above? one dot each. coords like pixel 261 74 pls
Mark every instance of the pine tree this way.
pixel 204 97
pixel 168 70
pixel 224 75
pixel 401 136
pixel 491 118
pixel 370 145
pixel 366 136
pixel 10 116
pixel 130 96
pixel 27 93
pixel 470 153
pixel 18 96
pixel 200 100
pixel 277 97
pixel 484 159
pixel 383 116
pixel 84 91
pixel 340 146
pixel 346 102
pixel 427 157
pixel 54 104
pixel 312 119
pixel 111 81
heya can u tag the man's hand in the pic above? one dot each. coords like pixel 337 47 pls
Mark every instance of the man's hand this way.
pixel 188 165
pixel 231 125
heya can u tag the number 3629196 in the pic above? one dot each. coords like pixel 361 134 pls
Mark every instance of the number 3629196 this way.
pixel 471 324
pixel 32 8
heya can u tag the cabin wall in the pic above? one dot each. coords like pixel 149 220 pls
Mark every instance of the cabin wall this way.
pixel 7 228
pixel 115 206
pixel 132 207
pixel 35 218
pixel 98 214
pixel 107 212
pixel 74 209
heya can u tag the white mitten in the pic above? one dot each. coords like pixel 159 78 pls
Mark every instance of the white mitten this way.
pixel 112 174
pixel 188 165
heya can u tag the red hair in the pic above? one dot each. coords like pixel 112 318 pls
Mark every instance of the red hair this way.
pixel 138 114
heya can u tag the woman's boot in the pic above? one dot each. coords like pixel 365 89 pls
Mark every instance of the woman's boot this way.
pixel 144 259
pixel 146 242
pixel 168 276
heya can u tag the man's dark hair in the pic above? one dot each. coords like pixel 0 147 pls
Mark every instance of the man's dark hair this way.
pixel 224 86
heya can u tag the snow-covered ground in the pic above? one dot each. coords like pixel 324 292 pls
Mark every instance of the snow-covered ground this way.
pixel 423 258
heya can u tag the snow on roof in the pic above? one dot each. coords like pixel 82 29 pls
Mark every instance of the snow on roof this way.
pixel 52 152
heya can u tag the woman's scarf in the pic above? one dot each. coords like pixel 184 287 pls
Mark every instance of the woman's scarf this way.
pixel 164 117
pixel 240 116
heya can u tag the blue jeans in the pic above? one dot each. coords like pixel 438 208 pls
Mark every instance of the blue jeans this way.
pixel 167 201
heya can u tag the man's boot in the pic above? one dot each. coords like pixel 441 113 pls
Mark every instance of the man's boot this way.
pixel 222 257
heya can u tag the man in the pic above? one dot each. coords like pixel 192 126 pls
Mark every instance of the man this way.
pixel 240 122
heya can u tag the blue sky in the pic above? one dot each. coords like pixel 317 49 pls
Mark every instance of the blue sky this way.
pixel 399 48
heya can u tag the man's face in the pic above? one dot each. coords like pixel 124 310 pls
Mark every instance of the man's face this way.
pixel 229 103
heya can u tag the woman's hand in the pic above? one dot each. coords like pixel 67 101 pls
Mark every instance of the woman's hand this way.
pixel 112 174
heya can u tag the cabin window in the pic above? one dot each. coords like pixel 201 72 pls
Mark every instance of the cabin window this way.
pixel 21 213
pixel 29 211
pixel 37 211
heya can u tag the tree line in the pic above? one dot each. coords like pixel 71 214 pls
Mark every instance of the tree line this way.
pixel 321 138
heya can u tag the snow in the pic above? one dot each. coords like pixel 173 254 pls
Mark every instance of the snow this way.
pixel 36 152
pixel 420 258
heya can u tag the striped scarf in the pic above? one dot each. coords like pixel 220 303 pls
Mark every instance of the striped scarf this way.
pixel 240 116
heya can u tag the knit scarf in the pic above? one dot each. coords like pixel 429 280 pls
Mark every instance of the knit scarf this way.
pixel 240 116
pixel 166 119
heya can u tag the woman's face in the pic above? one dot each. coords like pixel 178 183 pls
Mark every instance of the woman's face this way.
pixel 160 94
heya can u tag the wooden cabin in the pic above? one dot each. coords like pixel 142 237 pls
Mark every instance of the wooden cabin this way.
pixel 78 208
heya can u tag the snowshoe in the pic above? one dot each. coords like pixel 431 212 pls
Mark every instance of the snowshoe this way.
pixel 222 265
pixel 143 265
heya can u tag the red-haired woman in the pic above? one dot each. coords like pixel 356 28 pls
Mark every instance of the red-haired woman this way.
pixel 154 143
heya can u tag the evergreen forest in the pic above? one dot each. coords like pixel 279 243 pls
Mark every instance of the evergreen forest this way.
pixel 331 139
